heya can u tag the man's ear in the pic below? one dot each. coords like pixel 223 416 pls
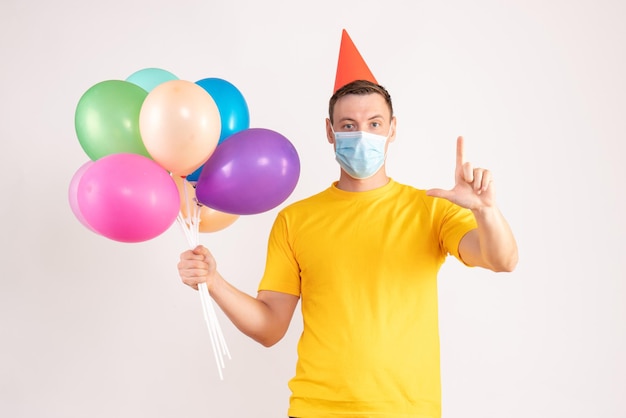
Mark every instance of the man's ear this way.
pixel 329 132
pixel 392 135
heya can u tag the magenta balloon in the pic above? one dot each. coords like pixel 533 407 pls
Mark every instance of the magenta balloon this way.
pixel 73 194
pixel 252 171
pixel 128 197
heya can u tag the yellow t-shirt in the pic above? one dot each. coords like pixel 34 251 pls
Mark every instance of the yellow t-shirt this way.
pixel 365 265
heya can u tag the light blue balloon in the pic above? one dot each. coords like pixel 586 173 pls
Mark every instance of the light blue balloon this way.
pixel 234 113
pixel 149 78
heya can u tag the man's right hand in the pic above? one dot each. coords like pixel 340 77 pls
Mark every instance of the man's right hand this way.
pixel 197 266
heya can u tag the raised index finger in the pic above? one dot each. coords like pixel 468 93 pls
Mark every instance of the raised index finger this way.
pixel 460 153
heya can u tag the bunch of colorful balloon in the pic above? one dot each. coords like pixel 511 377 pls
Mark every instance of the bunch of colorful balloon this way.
pixel 163 149
pixel 150 134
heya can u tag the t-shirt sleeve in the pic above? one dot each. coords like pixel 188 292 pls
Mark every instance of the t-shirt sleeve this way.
pixel 455 223
pixel 282 272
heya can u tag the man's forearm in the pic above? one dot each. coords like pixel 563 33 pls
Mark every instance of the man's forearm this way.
pixel 498 248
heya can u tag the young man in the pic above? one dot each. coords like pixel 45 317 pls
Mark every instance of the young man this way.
pixel 363 256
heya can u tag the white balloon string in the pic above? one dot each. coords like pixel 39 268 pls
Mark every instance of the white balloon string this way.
pixel 187 199
pixel 190 225
pixel 209 306
pixel 184 227
pixel 204 294
pixel 196 221
pixel 220 335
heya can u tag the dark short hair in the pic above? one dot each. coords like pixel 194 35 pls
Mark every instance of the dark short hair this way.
pixel 359 87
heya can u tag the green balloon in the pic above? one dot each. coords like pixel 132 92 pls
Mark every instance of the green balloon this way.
pixel 107 119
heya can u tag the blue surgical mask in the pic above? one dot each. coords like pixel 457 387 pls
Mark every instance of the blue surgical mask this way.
pixel 361 154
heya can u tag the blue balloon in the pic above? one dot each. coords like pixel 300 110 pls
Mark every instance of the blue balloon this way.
pixel 193 177
pixel 149 78
pixel 234 113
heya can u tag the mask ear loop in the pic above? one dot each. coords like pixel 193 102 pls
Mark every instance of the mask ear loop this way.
pixel 387 143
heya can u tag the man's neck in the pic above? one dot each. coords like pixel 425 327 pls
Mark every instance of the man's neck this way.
pixel 350 184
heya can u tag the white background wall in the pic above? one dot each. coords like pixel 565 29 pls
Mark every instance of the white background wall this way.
pixel 95 328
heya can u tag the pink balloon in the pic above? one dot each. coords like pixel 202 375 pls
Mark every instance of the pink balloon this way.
pixel 128 197
pixel 73 194
pixel 180 125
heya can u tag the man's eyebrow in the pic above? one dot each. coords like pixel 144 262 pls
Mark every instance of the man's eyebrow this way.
pixel 346 120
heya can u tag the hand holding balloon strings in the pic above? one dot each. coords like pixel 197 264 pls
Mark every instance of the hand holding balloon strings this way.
pixel 148 136
pixel 190 224
pixel 180 127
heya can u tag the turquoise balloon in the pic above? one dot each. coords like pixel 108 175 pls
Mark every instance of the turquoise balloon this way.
pixel 149 78
pixel 234 113
pixel 107 119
